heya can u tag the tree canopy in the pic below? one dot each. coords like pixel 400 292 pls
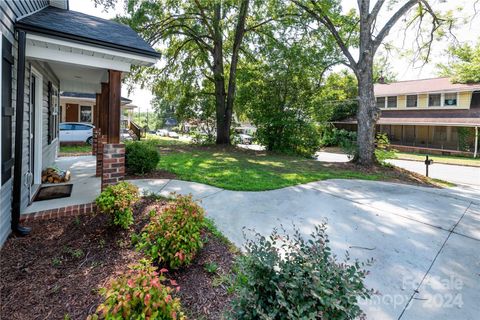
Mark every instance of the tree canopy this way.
pixel 464 66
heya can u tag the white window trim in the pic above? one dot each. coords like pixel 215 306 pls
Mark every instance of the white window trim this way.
pixel 57 111
pixel 38 143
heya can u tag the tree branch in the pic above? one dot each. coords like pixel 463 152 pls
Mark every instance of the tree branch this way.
pixel 325 20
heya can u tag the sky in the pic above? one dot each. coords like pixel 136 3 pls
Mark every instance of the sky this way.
pixel 402 66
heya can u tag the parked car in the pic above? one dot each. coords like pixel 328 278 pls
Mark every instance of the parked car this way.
pixel 76 132
pixel 245 138
pixel 173 134
pixel 162 132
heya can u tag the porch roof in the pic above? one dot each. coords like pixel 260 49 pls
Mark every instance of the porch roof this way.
pixel 84 28
pixel 88 96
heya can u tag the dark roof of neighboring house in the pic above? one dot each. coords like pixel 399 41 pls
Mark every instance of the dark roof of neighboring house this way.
pixel 466 117
pixel 88 96
pixel 422 86
pixel 85 28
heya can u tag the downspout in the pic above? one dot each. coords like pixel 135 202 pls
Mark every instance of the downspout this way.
pixel 476 143
pixel 17 170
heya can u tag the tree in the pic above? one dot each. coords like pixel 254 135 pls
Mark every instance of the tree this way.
pixel 464 66
pixel 200 40
pixel 341 27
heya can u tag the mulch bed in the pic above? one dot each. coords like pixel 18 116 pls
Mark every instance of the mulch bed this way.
pixel 156 174
pixel 57 269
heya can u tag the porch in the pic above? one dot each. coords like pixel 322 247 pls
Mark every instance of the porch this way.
pixel 67 57
pixel 86 185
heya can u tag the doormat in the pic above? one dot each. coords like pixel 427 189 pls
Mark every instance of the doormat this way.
pixel 54 192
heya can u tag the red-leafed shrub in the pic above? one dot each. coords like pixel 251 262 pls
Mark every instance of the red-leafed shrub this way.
pixel 140 294
pixel 172 237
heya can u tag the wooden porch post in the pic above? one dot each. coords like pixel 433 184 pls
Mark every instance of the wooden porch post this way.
pixel 103 114
pixel 114 92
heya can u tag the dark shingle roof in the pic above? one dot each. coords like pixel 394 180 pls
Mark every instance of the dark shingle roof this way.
pixel 82 27
pixel 92 96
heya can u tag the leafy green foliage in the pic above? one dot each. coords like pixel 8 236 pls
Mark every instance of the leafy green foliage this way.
pixel 117 200
pixel 141 156
pixel 141 293
pixel 283 277
pixel 465 64
pixel 465 138
pixel 383 151
pixel 211 267
pixel 172 237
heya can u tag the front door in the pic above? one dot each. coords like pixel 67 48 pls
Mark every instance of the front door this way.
pixel 71 114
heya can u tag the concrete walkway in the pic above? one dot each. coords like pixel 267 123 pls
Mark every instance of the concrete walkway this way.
pixel 425 242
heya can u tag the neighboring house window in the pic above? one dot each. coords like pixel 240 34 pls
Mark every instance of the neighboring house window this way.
pixel 7 110
pixel 450 99
pixel 381 102
pixel 391 102
pixel 435 100
pixel 86 114
pixel 412 101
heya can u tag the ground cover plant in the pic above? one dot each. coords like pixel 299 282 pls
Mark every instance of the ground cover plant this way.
pixel 75 149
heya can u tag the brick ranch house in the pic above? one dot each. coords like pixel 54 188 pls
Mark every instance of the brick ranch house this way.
pixel 47 48
pixel 428 115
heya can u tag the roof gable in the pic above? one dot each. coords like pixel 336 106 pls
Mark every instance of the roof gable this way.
pixel 85 28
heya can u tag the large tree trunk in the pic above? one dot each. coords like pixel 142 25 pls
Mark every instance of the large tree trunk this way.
pixel 223 126
pixel 367 115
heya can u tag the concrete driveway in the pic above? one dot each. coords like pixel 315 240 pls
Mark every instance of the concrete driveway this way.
pixel 425 242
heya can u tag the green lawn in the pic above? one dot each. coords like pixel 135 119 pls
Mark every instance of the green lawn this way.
pixel 75 148
pixel 463 161
pixel 233 169
pixel 165 141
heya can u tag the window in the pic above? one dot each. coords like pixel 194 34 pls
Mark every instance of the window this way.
pixel 412 101
pixel 391 102
pixel 435 100
pixel 381 102
pixel 65 126
pixel 86 114
pixel 80 127
pixel 450 99
pixel 7 110
pixel 53 112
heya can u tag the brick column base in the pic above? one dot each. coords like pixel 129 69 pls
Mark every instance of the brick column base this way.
pixel 113 164
pixel 100 142
pixel 96 134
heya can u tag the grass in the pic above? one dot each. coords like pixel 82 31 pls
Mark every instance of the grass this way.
pixel 166 141
pixel 234 169
pixel 84 148
pixel 456 160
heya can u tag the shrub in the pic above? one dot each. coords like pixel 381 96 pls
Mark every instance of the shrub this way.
pixel 139 294
pixel 141 156
pixel 172 237
pixel 383 151
pixel 283 277
pixel 116 200
pixel 333 137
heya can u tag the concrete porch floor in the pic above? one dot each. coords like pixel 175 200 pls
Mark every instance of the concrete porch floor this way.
pixel 86 186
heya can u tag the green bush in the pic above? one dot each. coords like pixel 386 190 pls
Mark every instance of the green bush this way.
pixel 383 151
pixel 283 277
pixel 116 200
pixel 141 156
pixel 172 237
pixel 139 294
pixel 333 137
